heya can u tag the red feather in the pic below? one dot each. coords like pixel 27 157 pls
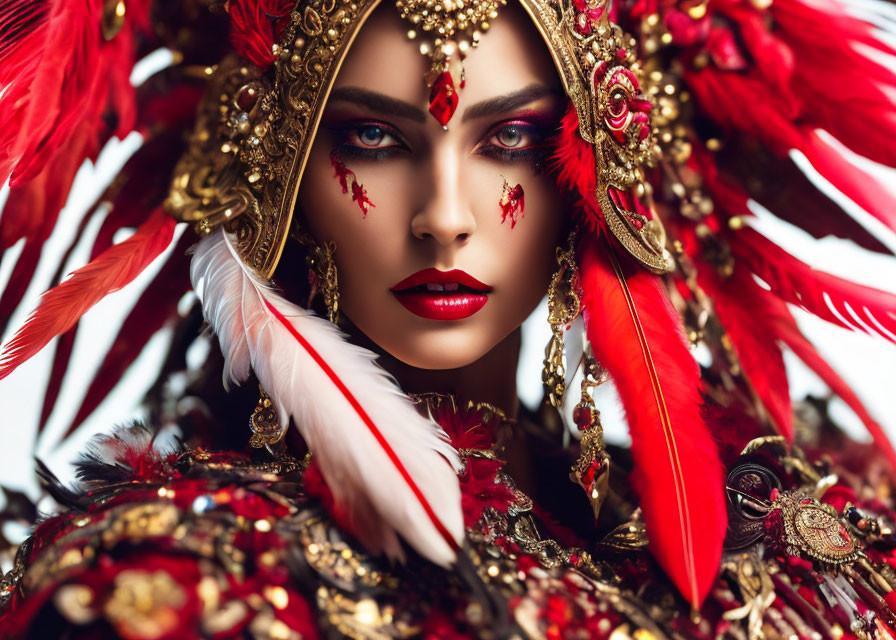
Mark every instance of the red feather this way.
pixel 61 358
pixel 834 299
pixel 636 334
pixel 773 314
pixel 154 308
pixel 859 186
pixel 19 281
pixel 802 74
pixel 789 334
pixel 842 89
pixel 62 306
pixel 63 86
pixel 781 186
pixel 573 165
pixel 30 212
pixel 166 111
pixel 256 26
pixel 755 343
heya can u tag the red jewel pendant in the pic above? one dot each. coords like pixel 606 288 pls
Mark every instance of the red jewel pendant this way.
pixel 445 81
pixel 443 98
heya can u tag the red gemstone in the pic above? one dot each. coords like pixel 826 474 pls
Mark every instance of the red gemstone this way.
pixel 588 477
pixel 247 97
pixel 443 98
pixel 582 417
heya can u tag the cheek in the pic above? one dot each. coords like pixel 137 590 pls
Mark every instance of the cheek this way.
pixel 521 250
pixel 371 247
pixel 535 238
pixel 350 202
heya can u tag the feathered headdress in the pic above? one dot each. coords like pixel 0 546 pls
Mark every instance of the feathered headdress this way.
pixel 683 113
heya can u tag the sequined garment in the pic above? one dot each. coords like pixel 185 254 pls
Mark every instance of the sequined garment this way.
pixel 195 544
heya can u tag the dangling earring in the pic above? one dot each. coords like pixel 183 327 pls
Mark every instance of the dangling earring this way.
pixel 265 425
pixel 323 277
pixel 592 468
pixel 564 304
pixel 326 281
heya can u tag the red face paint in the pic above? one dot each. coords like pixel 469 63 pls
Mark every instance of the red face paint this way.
pixel 512 203
pixel 347 179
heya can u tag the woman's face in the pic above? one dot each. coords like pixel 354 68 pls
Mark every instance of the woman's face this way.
pixel 437 272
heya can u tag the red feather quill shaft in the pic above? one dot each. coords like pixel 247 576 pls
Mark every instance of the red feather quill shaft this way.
pixel 635 333
pixel 62 306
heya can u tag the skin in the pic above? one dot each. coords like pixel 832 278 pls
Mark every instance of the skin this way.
pixel 436 199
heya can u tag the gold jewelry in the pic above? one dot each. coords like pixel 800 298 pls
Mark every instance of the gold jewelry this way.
pixel 265 424
pixel 323 275
pixel 326 280
pixel 436 23
pixel 592 468
pixel 564 305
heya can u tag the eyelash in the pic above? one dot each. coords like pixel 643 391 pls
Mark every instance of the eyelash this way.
pixel 533 152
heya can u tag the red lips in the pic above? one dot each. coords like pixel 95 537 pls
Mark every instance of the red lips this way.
pixel 442 295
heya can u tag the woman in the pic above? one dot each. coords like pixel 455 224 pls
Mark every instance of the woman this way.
pixel 422 177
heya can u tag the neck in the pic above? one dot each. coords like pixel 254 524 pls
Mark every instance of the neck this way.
pixel 490 379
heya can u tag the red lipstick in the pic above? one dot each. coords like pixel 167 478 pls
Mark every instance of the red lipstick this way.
pixel 442 295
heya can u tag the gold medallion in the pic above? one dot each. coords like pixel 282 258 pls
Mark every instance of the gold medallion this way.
pixel 813 529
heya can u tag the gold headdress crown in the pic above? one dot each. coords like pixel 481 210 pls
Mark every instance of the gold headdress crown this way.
pixel 255 127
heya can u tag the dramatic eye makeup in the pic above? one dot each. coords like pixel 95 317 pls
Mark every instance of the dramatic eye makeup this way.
pixel 517 140
pixel 369 140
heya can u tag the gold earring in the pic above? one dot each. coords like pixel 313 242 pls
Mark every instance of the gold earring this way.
pixel 564 305
pixel 324 279
pixel 592 468
pixel 265 425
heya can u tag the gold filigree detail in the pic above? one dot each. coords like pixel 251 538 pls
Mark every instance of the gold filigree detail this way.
pixel 254 131
pixel 265 423
pixel 564 306
pixel 813 529
pixel 757 591
pixel 602 76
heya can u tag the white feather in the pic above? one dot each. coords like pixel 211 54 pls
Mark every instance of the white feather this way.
pixel 364 481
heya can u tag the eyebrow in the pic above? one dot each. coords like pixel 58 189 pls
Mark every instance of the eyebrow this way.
pixel 378 102
pixel 509 102
pixel 386 105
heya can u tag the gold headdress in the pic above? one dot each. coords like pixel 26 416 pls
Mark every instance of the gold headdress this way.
pixel 255 129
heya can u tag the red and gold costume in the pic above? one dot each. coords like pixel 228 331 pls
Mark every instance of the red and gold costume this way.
pixel 400 522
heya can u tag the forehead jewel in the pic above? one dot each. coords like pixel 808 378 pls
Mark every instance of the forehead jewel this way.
pixel 446 30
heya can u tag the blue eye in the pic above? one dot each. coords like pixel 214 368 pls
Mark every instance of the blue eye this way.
pixel 371 136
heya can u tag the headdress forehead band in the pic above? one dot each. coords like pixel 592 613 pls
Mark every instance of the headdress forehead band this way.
pixel 255 127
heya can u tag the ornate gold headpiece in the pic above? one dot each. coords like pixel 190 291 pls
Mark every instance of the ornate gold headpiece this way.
pixel 255 129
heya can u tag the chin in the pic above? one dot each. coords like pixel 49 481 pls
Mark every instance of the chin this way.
pixel 435 350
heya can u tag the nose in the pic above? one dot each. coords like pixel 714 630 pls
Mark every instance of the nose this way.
pixel 444 216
